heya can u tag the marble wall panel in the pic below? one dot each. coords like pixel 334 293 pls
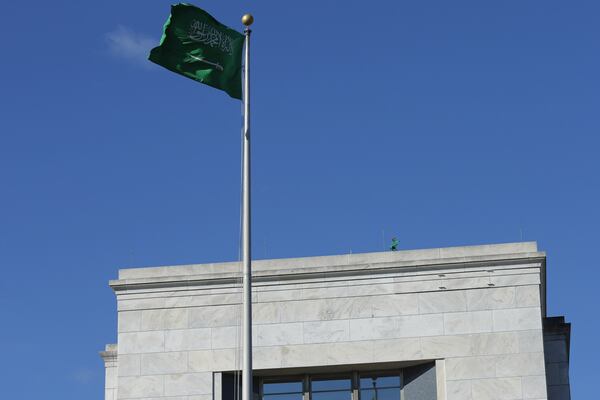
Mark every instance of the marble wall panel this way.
pixel 141 342
pixel 491 298
pixel 447 346
pixel 517 319
pixel 373 328
pixel 528 296
pixel 497 389
pixel 216 316
pixel 495 343
pixel 129 321
pixel 467 322
pixel 390 305
pixel 459 390
pixel 326 331
pixel 188 339
pixel 534 387
pixel 129 364
pixel 394 350
pixel 170 318
pixel 164 363
pixel 530 341
pixel 188 384
pixel 521 364
pixel 227 337
pixel 214 360
pixel 131 387
pixel 439 302
pixel 279 334
pixel 458 368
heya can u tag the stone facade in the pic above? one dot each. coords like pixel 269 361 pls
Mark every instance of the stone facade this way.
pixel 476 311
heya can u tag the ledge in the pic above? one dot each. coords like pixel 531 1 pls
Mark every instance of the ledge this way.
pixel 338 265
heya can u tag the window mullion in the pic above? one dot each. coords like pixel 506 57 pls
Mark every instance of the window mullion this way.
pixel 306 388
pixel 401 384
pixel 355 383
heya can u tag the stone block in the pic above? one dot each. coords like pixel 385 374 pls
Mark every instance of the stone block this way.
pixel 188 384
pixel 267 357
pixel 444 301
pixel 141 342
pixel 304 355
pixel 227 337
pixel 110 394
pixel 129 321
pixel 458 390
pixel 326 331
pixel 140 304
pixel 213 360
pixel 188 339
pixel 215 316
pixel 446 346
pixel 164 363
pixel 517 319
pixel 517 279
pixel 530 341
pixel 326 292
pixel 528 296
pixel 393 350
pixel 348 353
pixel 495 343
pixel 170 318
pixel 419 325
pixel 491 298
pixel 131 387
pixel 200 397
pixel 497 389
pixel 316 309
pixel 385 306
pixel 266 313
pixel 534 387
pixel 279 334
pixel 279 295
pixel 129 364
pixel 373 328
pixel 458 368
pixel 297 311
pixel 521 364
pixel 467 322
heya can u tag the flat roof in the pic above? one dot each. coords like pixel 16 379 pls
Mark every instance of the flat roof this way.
pixel 478 253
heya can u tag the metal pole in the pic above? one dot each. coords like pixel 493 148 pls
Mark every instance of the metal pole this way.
pixel 246 256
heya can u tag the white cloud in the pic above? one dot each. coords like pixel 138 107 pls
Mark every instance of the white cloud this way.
pixel 127 44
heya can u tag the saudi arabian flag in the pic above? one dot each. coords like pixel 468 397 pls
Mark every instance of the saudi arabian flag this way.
pixel 196 45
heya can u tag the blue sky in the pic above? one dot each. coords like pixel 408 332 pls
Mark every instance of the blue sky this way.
pixel 443 123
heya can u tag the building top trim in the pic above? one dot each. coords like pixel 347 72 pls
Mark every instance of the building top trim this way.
pixel 296 267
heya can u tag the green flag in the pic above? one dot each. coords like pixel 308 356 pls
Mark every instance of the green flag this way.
pixel 196 45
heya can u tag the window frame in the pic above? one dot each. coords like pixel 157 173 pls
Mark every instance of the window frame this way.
pixel 353 376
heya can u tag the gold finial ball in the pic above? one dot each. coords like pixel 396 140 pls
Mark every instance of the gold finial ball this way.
pixel 247 19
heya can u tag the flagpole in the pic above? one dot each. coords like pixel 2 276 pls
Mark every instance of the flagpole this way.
pixel 247 20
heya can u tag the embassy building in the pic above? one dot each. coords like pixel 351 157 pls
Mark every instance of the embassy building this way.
pixel 459 323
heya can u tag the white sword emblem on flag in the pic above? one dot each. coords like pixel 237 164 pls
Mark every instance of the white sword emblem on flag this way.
pixel 216 65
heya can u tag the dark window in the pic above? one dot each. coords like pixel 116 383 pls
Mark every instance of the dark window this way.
pixel 331 389
pixel 282 390
pixel 380 387
pixel 411 383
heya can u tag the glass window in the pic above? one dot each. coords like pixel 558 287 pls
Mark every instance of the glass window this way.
pixel 282 387
pixel 331 389
pixel 380 387
pixel 290 390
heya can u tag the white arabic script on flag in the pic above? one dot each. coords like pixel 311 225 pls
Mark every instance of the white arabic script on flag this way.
pixel 207 34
